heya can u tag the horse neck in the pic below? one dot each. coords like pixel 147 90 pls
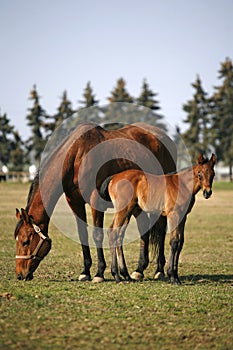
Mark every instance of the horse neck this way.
pixel 43 199
pixel 190 180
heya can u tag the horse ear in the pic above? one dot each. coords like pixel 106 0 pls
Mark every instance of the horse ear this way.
pixel 213 159
pixel 25 216
pixel 18 216
pixel 200 159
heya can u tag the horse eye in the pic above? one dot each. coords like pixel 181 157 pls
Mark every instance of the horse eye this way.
pixel 27 242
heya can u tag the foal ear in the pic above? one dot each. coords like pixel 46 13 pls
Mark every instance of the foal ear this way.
pixel 213 159
pixel 200 159
pixel 18 216
pixel 25 216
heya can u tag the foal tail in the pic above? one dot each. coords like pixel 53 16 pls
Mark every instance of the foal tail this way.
pixel 157 232
pixel 154 242
pixel 103 191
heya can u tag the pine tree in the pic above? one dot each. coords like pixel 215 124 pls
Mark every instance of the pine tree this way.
pixel 147 99
pixel 64 111
pixel 89 112
pixel 222 116
pixel 6 135
pixel 89 97
pixel 119 93
pixel 18 153
pixel 36 120
pixel 12 152
pixel 197 136
pixel 120 110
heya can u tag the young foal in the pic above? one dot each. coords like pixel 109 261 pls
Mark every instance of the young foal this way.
pixel 171 195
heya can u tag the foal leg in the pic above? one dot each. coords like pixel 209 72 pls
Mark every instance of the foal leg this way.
pixel 160 227
pixel 176 242
pixel 116 235
pixel 120 254
pixel 180 245
pixel 98 235
pixel 143 228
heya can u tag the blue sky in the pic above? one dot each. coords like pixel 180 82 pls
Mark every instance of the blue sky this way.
pixel 60 45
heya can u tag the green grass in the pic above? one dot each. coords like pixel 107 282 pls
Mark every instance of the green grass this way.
pixel 55 311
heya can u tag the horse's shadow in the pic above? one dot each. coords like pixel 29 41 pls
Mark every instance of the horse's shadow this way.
pixel 206 279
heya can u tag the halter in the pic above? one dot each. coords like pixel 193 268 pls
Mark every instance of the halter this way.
pixel 41 241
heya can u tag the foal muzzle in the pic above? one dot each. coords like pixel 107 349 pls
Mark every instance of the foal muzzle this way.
pixel 207 194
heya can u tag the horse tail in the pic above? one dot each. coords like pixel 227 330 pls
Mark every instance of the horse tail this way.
pixel 103 191
pixel 157 234
pixel 154 241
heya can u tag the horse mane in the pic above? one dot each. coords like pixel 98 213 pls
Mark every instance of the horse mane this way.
pixel 33 187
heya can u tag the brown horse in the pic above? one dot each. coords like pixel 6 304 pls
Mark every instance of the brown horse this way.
pixel 77 168
pixel 172 196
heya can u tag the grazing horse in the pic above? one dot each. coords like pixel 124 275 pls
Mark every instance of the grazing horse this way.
pixel 171 195
pixel 77 168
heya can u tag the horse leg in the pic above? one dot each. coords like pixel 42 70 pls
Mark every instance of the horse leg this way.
pixel 112 234
pixel 116 235
pixel 120 254
pixel 180 246
pixel 160 227
pixel 176 242
pixel 81 219
pixel 143 228
pixel 98 235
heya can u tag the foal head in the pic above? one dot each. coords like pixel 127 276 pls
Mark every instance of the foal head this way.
pixel 205 174
pixel 31 246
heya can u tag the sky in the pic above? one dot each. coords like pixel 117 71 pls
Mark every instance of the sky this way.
pixel 61 45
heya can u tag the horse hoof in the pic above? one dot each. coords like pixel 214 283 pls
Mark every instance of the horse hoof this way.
pixel 84 278
pixel 137 276
pixel 98 279
pixel 159 276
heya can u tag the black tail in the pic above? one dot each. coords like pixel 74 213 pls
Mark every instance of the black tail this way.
pixel 103 191
pixel 157 234
pixel 154 242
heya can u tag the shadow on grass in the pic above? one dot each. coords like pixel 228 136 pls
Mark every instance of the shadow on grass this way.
pixel 204 279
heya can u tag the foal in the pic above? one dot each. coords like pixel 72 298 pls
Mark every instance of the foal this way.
pixel 172 196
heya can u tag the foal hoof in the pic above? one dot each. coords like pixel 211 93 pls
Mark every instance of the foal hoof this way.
pixel 98 279
pixel 84 278
pixel 159 276
pixel 137 276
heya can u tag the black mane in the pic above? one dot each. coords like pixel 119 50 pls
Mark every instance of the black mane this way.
pixel 32 189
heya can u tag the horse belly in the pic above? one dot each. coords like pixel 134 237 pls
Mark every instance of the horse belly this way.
pixel 152 204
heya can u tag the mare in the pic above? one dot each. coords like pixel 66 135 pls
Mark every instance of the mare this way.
pixel 171 195
pixel 77 167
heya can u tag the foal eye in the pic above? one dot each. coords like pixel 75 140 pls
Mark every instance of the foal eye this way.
pixel 27 242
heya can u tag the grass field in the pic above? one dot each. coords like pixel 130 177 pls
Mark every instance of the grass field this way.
pixel 55 311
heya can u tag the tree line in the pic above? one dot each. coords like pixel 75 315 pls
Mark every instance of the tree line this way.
pixel 209 119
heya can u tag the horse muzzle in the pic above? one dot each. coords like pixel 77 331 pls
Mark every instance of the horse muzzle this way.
pixel 207 194
pixel 27 277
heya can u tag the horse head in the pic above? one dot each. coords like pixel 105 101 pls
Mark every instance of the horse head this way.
pixel 205 174
pixel 31 245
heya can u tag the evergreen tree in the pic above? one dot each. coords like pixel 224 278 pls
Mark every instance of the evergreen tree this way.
pixel 18 154
pixel 197 136
pixel 6 133
pixel 89 97
pixel 12 151
pixel 119 110
pixel 119 93
pixel 64 111
pixel 36 120
pixel 147 98
pixel 89 112
pixel 222 116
